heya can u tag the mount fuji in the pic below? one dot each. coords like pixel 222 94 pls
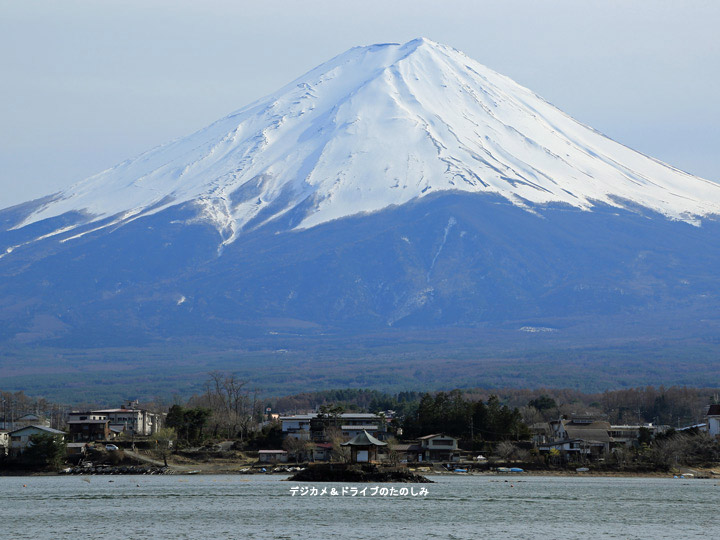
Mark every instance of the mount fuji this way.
pixel 396 187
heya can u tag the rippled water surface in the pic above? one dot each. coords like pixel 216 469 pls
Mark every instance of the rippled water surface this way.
pixel 201 507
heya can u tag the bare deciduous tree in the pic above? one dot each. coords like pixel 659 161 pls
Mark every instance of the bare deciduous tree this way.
pixel 298 448
pixel 392 456
pixel 234 406
pixel 335 437
pixel 506 450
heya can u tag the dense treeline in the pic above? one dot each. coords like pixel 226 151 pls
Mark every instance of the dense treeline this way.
pixel 188 423
pixel 674 406
pixel 236 407
pixel 474 422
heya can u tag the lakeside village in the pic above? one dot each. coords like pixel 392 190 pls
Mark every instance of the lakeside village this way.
pixel 443 432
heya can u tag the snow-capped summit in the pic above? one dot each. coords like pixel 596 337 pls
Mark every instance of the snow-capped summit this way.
pixel 478 211
pixel 378 126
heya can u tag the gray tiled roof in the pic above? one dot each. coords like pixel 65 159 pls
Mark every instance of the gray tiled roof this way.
pixel 364 439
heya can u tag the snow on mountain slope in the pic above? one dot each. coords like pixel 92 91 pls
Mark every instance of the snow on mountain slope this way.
pixel 379 126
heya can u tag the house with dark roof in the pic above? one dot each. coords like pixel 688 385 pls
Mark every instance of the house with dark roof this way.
pixel 540 432
pixel 409 453
pixel 713 420
pixel 574 448
pixel 580 435
pixel 76 451
pixel 322 452
pixel 589 437
pixel 89 430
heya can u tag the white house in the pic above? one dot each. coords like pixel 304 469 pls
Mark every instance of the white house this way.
pixel 129 419
pixel 312 426
pixel 438 447
pixel 297 425
pixel 577 447
pixel 713 420
pixel 77 416
pixel 590 436
pixel 20 438
pixel 627 435
pixel 4 442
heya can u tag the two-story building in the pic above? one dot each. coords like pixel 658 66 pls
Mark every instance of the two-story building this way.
pixel 438 447
pixel 78 416
pixel 583 435
pixel 588 437
pixel 315 427
pixel 130 419
pixel 628 435
pixel 297 425
pixel 89 430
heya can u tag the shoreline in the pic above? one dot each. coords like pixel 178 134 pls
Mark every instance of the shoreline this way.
pixel 699 474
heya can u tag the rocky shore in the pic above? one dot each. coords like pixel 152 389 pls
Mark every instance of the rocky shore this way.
pixel 338 472
pixel 117 469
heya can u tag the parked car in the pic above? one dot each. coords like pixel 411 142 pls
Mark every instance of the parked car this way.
pixel 111 447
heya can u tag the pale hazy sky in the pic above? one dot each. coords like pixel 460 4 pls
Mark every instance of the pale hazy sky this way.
pixel 85 84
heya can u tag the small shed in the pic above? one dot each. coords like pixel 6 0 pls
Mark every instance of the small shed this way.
pixel 322 452
pixel 363 447
pixel 272 456
pixel 408 452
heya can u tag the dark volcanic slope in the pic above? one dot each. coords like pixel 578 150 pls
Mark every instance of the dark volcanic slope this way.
pixel 446 260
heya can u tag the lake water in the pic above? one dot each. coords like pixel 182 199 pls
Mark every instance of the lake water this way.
pixel 202 507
